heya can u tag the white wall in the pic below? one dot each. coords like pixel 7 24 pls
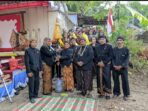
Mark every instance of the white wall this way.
pixel 37 23
pixel 52 15
pixel 64 22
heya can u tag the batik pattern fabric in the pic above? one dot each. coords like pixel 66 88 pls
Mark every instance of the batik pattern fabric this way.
pixel 68 77
pixel 47 79
pixel 84 80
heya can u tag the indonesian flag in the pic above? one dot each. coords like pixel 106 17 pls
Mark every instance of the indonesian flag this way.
pixel 109 23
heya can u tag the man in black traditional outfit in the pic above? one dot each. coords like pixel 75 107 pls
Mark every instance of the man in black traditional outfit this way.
pixel 103 55
pixel 73 44
pixel 56 67
pixel 33 63
pixel 48 57
pixel 120 67
pixel 74 48
pixel 84 60
pixel 93 45
pixel 65 59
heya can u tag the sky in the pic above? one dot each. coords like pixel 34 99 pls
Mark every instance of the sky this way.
pixel 123 2
pixel 142 2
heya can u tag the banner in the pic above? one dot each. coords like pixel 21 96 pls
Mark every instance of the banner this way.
pixel 9 24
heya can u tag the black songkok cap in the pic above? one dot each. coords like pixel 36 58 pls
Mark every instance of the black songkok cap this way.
pixel 102 36
pixel 120 37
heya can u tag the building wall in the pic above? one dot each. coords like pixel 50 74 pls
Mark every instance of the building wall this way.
pixel 73 18
pixel 36 22
pixel 40 22
pixel 63 21
pixel 52 22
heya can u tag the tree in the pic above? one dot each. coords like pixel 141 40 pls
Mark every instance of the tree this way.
pixel 83 7
pixel 140 8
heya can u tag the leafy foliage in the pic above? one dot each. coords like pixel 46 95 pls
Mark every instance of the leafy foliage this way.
pixel 88 8
pixel 134 45
pixel 140 8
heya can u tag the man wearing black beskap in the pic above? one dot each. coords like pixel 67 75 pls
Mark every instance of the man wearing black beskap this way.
pixel 48 58
pixel 84 60
pixel 120 67
pixel 102 57
pixel 33 65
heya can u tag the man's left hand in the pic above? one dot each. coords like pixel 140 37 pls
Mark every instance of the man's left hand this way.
pixel 80 63
pixel 58 56
pixel 58 63
pixel 119 67
pixel 41 72
pixel 101 64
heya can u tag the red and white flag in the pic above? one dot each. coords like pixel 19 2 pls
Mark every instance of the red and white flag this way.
pixel 109 23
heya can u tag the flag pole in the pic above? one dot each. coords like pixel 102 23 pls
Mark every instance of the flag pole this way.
pixel 109 23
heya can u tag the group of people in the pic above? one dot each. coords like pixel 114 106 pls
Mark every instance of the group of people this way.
pixel 78 62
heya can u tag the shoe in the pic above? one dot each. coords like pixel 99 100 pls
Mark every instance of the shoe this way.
pixel 75 85
pixel 89 96
pixel 125 98
pixel 79 93
pixel 115 96
pixel 107 97
pixel 47 93
pixel 83 93
pixel 101 96
pixel 71 90
pixel 32 100
pixel 38 97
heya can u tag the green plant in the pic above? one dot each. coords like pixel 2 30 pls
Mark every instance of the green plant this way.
pixel 135 46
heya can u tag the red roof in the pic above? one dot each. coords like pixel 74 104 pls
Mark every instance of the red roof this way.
pixel 6 5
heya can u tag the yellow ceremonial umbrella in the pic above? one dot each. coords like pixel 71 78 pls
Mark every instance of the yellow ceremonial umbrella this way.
pixel 57 34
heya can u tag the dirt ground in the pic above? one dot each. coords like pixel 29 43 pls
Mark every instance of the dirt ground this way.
pixel 137 102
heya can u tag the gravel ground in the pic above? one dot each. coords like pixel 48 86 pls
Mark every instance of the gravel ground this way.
pixel 137 101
